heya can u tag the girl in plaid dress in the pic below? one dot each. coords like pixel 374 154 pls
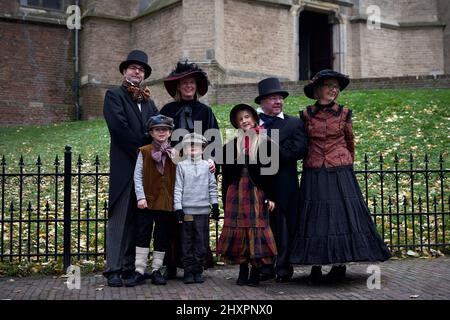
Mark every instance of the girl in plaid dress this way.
pixel 246 236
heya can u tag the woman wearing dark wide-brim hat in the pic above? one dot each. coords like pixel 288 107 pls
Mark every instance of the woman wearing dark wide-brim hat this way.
pixel 335 226
pixel 186 84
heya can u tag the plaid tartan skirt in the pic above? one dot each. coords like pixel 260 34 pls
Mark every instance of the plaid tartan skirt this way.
pixel 246 235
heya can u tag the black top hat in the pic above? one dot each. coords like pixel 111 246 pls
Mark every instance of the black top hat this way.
pixel 138 57
pixel 270 86
pixel 320 76
pixel 185 69
pixel 239 107
pixel 160 121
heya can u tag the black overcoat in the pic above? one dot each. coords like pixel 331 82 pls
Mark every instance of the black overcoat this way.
pixel 126 126
pixel 293 146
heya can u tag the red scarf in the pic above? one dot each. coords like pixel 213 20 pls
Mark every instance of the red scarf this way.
pixel 246 140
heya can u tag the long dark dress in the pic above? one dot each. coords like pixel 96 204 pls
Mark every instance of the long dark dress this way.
pixel 185 113
pixel 335 225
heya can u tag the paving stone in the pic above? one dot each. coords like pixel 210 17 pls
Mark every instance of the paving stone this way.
pixel 409 279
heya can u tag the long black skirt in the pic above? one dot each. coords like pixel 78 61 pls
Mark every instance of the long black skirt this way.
pixel 335 225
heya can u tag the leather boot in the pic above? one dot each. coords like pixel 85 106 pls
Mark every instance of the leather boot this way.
pixel 315 276
pixel 157 278
pixel 337 272
pixel 253 280
pixel 170 273
pixel 243 274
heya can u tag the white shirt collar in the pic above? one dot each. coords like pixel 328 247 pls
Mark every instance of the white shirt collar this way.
pixel 259 110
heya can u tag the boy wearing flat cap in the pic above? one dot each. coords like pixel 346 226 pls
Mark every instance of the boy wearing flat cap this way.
pixel 154 180
pixel 195 191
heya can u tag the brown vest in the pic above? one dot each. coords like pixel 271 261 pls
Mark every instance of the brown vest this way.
pixel 158 188
pixel 330 137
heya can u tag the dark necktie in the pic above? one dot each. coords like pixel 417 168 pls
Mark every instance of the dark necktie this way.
pixel 268 120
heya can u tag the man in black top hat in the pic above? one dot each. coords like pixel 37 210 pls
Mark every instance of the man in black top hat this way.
pixel 292 147
pixel 126 109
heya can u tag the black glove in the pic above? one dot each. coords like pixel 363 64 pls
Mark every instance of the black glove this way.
pixel 215 211
pixel 179 215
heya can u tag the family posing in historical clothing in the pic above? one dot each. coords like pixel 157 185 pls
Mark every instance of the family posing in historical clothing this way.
pixel 164 188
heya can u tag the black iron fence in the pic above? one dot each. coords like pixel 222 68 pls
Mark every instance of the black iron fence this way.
pixel 63 214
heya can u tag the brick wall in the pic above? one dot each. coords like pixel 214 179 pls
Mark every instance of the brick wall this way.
pixel 379 52
pixel 198 28
pixel 9 6
pixel 101 58
pixel 407 51
pixel 36 73
pixel 417 10
pixel 163 45
pixel 103 45
pixel 92 98
pixel 353 50
pixel 444 16
pixel 116 8
pixel 422 51
pixel 397 49
pixel 258 38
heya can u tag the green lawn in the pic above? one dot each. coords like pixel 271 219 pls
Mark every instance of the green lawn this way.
pixel 386 121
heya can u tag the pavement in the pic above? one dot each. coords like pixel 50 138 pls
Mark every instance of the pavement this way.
pixel 406 279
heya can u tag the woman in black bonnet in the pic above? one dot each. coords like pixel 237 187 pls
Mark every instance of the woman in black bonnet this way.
pixel 335 226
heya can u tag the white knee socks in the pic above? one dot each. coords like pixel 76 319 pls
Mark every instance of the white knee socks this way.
pixel 158 258
pixel 141 259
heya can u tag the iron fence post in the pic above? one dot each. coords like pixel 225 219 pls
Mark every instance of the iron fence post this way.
pixel 67 206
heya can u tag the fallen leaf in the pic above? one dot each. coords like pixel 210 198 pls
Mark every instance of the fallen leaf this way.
pixel 412 253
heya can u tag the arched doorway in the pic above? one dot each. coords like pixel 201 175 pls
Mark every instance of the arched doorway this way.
pixel 315 43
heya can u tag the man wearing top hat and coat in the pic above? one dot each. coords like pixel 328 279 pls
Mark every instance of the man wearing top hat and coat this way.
pixel 292 147
pixel 126 110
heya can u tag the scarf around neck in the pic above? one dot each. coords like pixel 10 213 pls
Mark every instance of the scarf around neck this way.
pixel 268 120
pixel 138 94
pixel 160 153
